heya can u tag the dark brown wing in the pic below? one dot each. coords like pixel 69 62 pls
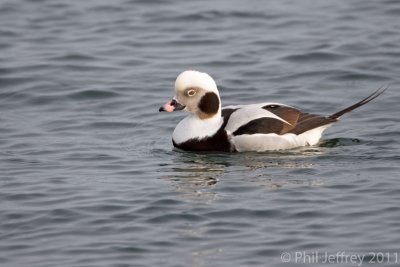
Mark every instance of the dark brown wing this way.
pixel 300 122
pixel 289 114
pixel 262 126
pixel 267 125
pixel 309 121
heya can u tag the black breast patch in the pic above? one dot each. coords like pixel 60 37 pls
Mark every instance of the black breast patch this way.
pixel 217 142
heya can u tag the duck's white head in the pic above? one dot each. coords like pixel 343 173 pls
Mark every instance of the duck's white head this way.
pixel 197 93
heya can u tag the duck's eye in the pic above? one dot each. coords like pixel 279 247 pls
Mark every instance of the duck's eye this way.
pixel 191 92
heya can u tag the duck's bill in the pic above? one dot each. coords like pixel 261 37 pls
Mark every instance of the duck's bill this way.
pixel 171 106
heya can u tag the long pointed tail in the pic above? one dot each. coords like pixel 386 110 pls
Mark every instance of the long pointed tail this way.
pixel 371 97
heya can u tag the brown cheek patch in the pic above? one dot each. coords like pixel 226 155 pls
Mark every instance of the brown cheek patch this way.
pixel 209 104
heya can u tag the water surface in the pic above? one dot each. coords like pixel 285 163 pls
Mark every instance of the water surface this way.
pixel 88 175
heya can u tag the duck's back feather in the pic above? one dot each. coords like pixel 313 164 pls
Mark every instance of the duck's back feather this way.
pixel 268 118
pixel 272 126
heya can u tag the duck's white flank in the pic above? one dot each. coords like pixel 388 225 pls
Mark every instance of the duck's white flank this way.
pixel 272 141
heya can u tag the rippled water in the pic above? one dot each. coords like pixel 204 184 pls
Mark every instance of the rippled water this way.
pixel 88 175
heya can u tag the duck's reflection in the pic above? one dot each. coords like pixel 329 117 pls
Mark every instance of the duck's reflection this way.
pixel 197 174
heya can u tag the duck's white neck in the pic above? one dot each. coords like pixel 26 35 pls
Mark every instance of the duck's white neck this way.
pixel 192 127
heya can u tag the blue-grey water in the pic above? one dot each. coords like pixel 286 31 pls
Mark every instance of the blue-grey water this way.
pixel 88 174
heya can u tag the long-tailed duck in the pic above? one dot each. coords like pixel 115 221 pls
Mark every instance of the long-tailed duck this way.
pixel 255 127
